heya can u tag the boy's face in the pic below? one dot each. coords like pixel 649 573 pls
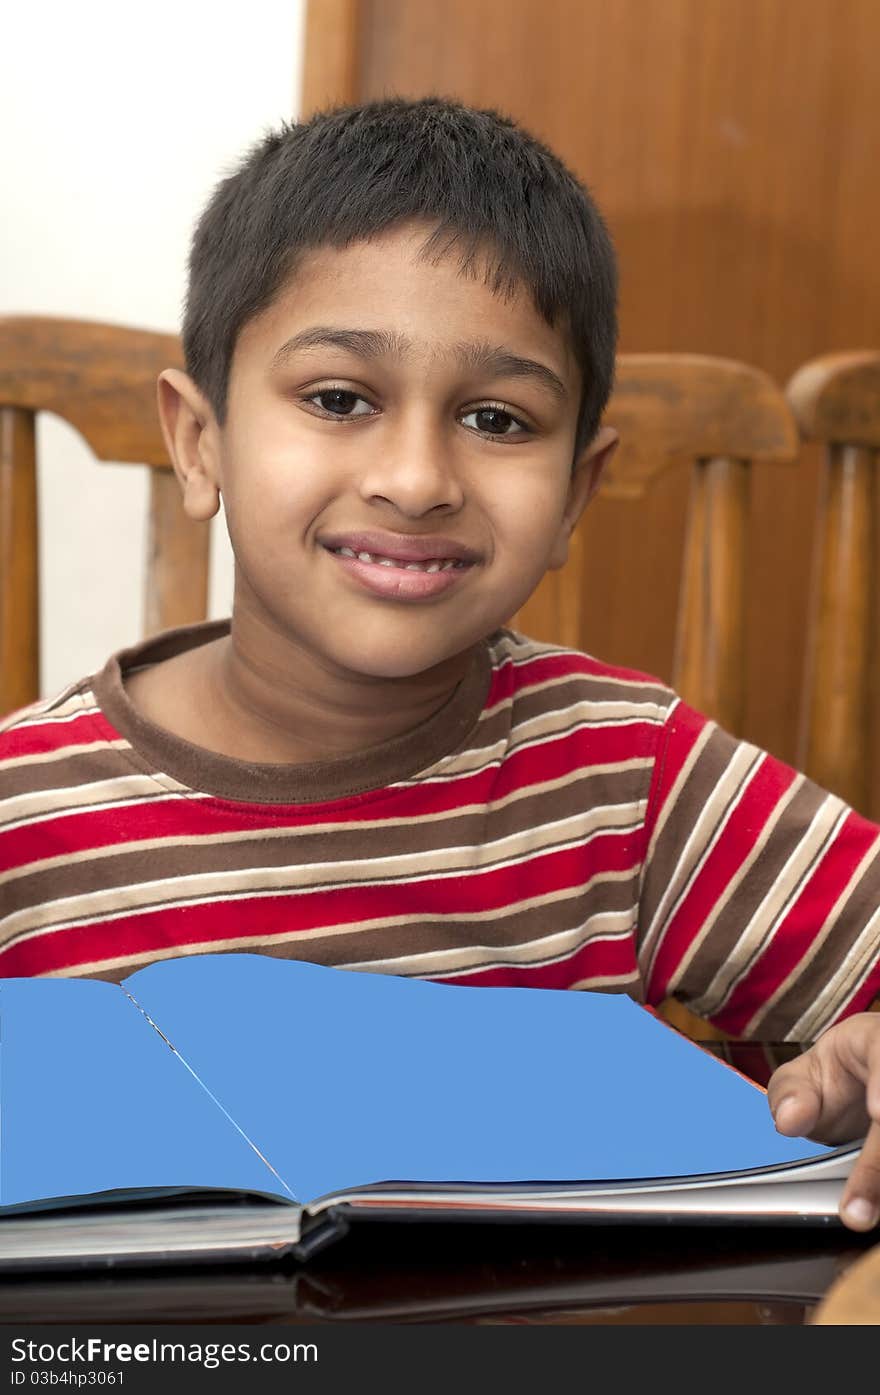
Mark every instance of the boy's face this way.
pixel 383 395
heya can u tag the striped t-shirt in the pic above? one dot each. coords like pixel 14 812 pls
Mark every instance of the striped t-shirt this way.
pixel 558 823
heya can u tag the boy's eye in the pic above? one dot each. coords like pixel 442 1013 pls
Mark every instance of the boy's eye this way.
pixel 489 421
pixel 340 402
pixel 493 421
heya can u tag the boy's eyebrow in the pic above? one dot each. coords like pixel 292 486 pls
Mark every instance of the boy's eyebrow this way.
pixel 477 355
pixel 501 362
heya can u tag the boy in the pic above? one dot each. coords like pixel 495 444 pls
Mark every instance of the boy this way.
pixel 399 336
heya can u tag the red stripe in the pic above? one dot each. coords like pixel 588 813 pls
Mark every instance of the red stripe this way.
pixel 860 999
pixel 543 667
pixel 798 930
pixel 259 916
pixel 91 727
pixel 600 960
pixel 682 731
pixel 37 740
pixel 737 841
pixel 180 816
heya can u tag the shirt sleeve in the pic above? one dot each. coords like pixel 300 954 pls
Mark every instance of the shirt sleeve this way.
pixel 760 898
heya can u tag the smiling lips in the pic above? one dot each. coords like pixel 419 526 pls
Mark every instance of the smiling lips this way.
pixel 402 568
pixel 436 564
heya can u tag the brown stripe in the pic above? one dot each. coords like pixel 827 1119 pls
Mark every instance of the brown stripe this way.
pixel 521 650
pixel 302 847
pixel 101 905
pixel 710 771
pixel 554 693
pixel 424 937
pixel 721 942
pixel 755 935
pixel 549 714
pixel 536 913
pixel 46 707
pixel 850 924
pixel 68 771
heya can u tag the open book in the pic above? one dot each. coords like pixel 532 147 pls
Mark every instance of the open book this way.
pixel 235 1105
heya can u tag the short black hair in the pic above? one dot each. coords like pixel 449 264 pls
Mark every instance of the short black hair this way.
pixel 350 173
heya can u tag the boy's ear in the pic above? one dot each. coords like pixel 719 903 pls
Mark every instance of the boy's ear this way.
pixel 190 431
pixel 586 477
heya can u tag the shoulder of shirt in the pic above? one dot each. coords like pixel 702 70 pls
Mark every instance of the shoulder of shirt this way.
pixel 76 699
pixel 535 661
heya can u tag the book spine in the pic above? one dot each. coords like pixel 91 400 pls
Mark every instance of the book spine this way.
pixel 319 1232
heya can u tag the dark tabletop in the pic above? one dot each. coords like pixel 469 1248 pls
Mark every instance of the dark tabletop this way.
pixel 477 1273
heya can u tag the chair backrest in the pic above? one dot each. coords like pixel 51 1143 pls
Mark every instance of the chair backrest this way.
pixel 101 379
pixel 836 401
pixel 720 417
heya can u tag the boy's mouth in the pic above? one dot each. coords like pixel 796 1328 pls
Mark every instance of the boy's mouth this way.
pixel 428 553
pixel 433 564
pixel 401 579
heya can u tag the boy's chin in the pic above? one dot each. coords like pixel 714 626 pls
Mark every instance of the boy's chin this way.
pixel 402 662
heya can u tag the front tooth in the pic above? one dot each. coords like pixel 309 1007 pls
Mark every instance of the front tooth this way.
pixel 434 567
pixel 414 567
pixel 365 556
pixel 347 552
pixel 386 562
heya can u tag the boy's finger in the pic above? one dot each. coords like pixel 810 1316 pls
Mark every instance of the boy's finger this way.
pixel 860 1202
pixel 795 1097
pixel 798 1110
pixel 872 1057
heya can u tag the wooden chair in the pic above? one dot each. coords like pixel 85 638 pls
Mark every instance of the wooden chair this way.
pixel 721 418
pixel 836 401
pixel 102 380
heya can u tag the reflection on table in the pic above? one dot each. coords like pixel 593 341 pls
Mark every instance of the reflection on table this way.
pixel 478 1273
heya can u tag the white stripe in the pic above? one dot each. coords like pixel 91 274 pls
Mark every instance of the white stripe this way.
pixel 704 836
pixel 671 799
pixel 62 753
pixel 120 792
pixel 736 881
pixel 477 759
pixel 520 655
pixel 582 678
pixel 512 851
pixel 839 988
pixel 45 715
pixel 265 832
pixel 475 958
pixel 329 932
pixel 860 967
pixel 761 930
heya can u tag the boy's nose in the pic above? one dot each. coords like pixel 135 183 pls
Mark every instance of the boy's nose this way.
pixel 414 470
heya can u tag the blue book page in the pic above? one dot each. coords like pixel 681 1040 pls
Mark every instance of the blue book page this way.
pixel 92 1099
pixel 344 1079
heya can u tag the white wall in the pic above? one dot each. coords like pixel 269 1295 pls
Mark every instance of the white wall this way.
pixel 118 121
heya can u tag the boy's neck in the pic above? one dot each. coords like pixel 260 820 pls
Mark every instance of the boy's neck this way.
pixel 286 704
pixel 249 697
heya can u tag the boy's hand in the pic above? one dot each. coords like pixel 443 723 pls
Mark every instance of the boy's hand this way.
pixel 832 1094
